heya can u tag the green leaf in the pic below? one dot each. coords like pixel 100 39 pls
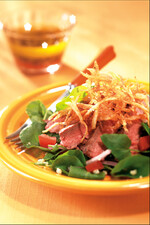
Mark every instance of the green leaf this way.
pixel 79 172
pixel 113 141
pixel 41 148
pixel 78 153
pixel 48 156
pixel 121 153
pixel 118 143
pixel 146 127
pixel 54 135
pixel 107 168
pixel 39 163
pixel 50 162
pixel 37 111
pixel 77 91
pixel 132 167
pixel 55 148
pixel 65 161
pixel 29 135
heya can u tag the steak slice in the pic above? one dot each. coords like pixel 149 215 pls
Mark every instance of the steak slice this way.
pixel 133 134
pixel 93 146
pixel 72 135
pixel 56 127
pixel 107 127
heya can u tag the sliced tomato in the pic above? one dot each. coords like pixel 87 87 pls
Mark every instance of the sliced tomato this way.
pixel 144 143
pixel 97 165
pixel 45 140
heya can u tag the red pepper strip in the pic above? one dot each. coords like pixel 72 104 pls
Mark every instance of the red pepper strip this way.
pixel 97 165
pixel 144 143
pixel 45 140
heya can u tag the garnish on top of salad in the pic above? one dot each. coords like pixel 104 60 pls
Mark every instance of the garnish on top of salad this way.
pixel 100 131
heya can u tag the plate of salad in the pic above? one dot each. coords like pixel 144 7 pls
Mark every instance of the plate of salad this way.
pixel 96 141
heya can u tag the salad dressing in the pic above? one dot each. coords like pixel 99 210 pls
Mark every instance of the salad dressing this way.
pixel 39 47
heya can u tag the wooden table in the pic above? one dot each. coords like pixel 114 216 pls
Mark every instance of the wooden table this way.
pixel 123 24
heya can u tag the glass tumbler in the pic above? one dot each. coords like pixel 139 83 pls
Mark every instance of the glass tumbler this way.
pixel 38 37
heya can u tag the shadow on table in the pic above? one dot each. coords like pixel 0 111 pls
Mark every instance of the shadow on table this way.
pixel 65 73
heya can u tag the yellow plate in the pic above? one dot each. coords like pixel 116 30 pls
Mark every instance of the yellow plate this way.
pixel 14 115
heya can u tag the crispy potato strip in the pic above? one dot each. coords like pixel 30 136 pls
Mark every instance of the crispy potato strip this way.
pixel 109 97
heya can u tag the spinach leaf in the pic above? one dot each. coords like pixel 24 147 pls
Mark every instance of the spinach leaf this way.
pixel 37 111
pixel 121 153
pixel 118 143
pixel 55 148
pixel 69 158
pixel 80 172
pixel 39 163
pixel 113 141
pixel 48 156
pixel 146 127
pixel 78 153
pixel 54 135
pixel 29 135
pixel 50 162
pixel 65 161
pixel 132 167
pixel 77 91
pixel 41 148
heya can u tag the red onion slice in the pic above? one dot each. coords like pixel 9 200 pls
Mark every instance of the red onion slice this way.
pixel 99 157
pixel 109 163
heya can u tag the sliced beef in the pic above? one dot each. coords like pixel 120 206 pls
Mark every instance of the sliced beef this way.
pixel 72 135
pixel 134 134
pixel 57 127
pixel 93 146
pixel 108 127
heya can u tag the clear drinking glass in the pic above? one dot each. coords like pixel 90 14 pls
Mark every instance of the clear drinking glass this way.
pixel 38 37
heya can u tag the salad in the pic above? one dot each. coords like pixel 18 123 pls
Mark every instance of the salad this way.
pixel 100 131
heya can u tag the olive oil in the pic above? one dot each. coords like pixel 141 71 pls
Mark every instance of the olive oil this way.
pixel 37 48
